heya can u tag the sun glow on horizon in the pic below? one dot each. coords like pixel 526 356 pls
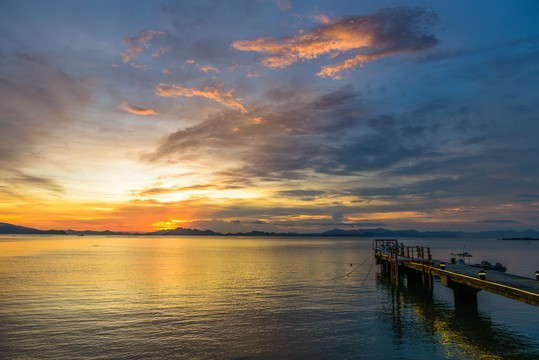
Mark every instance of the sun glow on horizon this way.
pixel 170 224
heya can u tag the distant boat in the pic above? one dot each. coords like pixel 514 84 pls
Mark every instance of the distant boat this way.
pixel 488 266
pixel 461 257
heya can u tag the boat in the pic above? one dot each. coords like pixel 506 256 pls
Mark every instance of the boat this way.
pixel 461 257
pixel 488 266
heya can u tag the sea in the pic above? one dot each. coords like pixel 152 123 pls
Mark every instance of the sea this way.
pixel 199 297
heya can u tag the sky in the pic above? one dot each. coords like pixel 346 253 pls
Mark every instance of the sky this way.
pixel 269 115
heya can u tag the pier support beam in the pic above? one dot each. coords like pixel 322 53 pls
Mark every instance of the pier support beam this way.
pixel 465 296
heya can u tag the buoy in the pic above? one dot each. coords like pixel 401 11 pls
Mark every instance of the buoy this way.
pixel 442 266
pixel 537 275
pixel 482 275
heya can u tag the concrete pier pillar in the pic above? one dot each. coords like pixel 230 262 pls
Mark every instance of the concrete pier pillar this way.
pixel 465 297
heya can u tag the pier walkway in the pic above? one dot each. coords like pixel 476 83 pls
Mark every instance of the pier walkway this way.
pixel 464 280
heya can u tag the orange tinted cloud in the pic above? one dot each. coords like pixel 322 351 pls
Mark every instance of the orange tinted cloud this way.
pixel 333 71
pixel 322 19
pixel 207 68
pixel 137 44
pixel 216 93
pixel 303 47
pixel 137 110
pixel 384 33
pixel 158 52
pixel 125 58
pixel 284 4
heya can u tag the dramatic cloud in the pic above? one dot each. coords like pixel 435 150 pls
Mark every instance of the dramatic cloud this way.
pixel 137 110
pixel 385 33
pixel 215 92
pixel 286 137
pixel 332 133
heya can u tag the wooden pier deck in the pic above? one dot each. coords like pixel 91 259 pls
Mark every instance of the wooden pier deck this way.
pixel 462 279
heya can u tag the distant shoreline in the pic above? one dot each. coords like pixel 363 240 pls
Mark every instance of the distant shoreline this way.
pixel 527 235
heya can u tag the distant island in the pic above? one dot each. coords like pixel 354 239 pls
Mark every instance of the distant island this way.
pixel 377 232
pixel 15 229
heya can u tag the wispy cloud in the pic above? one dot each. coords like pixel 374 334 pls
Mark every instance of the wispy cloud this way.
pixel 207 68
pixel 529 196
pixel 24 180
pixel 282 4
pixel 137 110
pixel 215 92
pixel 366 38
pixel 301 193
pixel 137 44
pixel 30 113
pixel 40 181
pixel 156 191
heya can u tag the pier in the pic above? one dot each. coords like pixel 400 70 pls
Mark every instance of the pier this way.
pixel 465 281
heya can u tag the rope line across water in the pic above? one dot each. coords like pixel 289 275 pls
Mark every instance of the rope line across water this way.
pixel 355 268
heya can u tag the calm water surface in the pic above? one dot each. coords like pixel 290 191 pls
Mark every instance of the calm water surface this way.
pixel 66 297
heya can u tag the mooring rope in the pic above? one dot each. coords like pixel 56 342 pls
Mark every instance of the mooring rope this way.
pixel 355 268
pixel 368 273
